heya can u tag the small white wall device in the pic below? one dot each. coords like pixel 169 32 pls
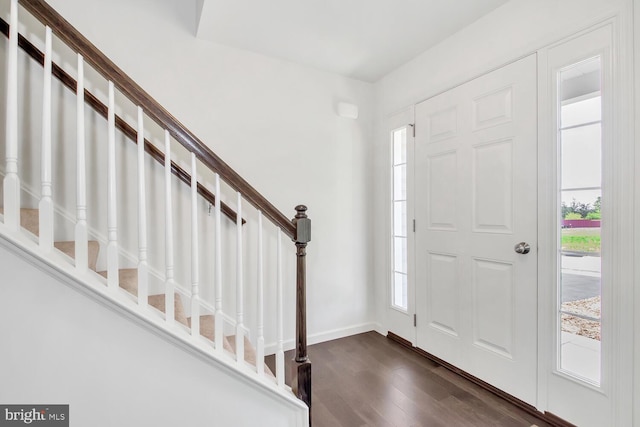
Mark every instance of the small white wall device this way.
pixel 348 111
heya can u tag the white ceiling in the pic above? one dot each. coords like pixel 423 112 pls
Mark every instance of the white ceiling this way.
pixel 363 39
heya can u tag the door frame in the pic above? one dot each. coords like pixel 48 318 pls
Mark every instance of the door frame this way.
pixel 618 172
pixel 625 385
pixel 632 53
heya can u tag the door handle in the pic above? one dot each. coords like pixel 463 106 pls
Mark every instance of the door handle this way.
pixel 522 248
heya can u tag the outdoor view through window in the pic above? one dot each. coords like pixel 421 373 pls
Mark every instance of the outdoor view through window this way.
pixel 581 198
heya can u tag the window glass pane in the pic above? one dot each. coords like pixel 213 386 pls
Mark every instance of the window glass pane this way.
pixel 400 218
pixel 587 311
pixel 585 111
pixel 589 197
pixel 581 286
pixel 400 146
pixel 581 157
pixel 581 209
pixel 400 254
pixel 400 182
pixel 581 243
pixel 400 290
pixel 580 238
pixel 399 214
pixel 580 354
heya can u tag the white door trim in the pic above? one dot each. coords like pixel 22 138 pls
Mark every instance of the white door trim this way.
pixel 618 175
pixel 632 50
pixel 625 177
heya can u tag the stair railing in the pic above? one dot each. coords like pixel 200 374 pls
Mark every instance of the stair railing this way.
pixel 298 229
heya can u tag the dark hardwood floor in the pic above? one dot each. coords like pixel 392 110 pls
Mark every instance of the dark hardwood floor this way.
pixel 369 380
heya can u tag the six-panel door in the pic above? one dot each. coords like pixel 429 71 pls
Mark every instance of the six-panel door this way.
pixel 475 189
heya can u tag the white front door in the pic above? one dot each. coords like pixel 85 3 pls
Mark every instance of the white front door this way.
pixel 475 202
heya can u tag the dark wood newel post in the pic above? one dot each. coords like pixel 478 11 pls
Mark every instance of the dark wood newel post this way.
pixel 301 378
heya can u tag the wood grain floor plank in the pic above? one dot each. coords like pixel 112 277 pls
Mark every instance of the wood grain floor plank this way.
pixel 367 380
pixel 506 408
pixel 323 417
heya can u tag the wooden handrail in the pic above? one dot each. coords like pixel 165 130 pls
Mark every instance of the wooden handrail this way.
pixel 70 83
pixel 128 87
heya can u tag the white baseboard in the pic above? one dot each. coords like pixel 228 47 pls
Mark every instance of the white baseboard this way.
pixel 320 337
pixel 380 329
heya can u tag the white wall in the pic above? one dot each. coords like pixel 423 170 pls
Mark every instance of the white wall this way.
pixel 61 347
pixel 513 30
pixel 275 123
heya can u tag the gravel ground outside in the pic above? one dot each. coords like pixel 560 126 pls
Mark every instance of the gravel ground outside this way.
pixel 579 326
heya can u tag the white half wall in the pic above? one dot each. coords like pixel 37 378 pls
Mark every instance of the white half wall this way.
pixel 62 347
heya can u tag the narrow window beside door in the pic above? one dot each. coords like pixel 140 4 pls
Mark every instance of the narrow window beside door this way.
pixel 581 197
pixel 399 214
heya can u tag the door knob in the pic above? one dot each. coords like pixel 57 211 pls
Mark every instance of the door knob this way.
pixel 522 248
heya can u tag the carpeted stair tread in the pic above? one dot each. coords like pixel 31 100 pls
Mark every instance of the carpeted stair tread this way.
pixel 128 278
pixel 69 248
pixel 250 355
pixel 158 301
pixel 29 219
pixel 208 330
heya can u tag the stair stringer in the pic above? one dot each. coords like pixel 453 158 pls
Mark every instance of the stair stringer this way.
pixel 44 305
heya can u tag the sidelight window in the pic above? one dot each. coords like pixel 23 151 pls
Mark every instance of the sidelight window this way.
pixel 399 219
pixel 580 191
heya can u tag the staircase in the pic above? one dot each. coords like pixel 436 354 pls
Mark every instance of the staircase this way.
pixel 204 206
pixel 128 281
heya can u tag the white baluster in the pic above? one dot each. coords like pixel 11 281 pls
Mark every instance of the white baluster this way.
pixel 239 285
pixel 219 318
pixel 143 268
pixel 45 207
pixel 195 298
pixel 279 316
pixel 11 182
pixel 260 346
pixel 112 220
pixel 170 285
pixel 81 233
